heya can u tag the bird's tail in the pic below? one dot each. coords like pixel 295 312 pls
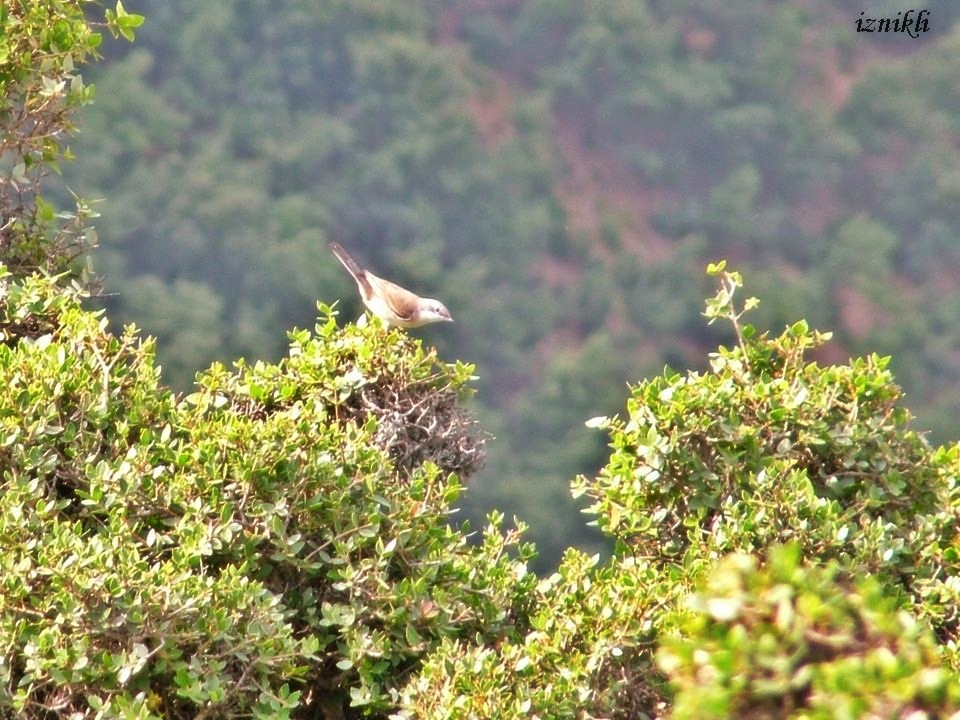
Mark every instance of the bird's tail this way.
pixel 348 262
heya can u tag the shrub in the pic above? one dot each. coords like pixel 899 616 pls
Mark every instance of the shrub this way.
pixel 788 641
pixel 769 447
pixel 580 655
pixel 274 543
pixel 42 46
pixel 766 448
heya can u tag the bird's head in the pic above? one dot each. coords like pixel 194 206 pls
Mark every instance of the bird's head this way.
pixel 431 311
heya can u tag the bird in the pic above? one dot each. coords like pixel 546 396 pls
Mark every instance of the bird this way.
pixel 394 305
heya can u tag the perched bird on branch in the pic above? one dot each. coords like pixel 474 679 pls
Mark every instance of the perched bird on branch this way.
pixel 394 305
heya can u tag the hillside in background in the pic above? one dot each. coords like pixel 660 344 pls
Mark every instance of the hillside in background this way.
pixel 558 172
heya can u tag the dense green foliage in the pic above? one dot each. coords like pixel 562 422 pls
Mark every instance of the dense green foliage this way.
pixel 276 543
pixel 787 641
pixel 273 540
pixel 769 447
pixel 856 614
pixel 41 45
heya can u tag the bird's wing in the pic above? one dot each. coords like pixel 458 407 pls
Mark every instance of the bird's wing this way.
pixel 402 302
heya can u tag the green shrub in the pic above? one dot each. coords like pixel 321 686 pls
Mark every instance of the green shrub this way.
pixel 788 641
pixel 769 447
pixel 274 543
pixel 764 449
pixel 42 45
pixel 579 654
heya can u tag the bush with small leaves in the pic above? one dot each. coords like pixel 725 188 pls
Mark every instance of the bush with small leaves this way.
pixel 42 44
pixel 764 449
pixel 769 447
pixel 578 653
pixel 262 547
pixel 784 640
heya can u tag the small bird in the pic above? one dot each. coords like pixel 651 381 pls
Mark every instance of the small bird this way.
pixel 396 306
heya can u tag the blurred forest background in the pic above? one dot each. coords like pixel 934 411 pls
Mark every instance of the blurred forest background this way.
pixel 558 172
